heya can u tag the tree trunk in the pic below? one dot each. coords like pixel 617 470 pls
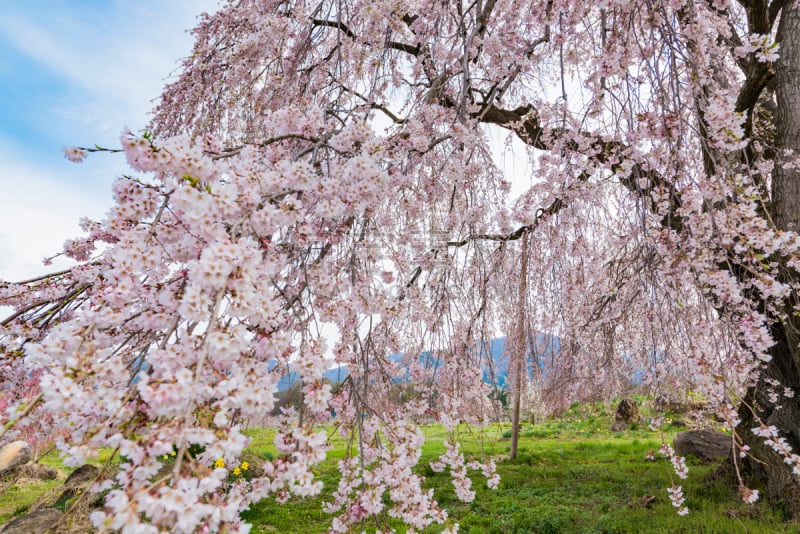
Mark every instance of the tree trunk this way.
pixel 521 347
pixel 769 471
pixel 512 453
pixel 786 181
pixel 774 475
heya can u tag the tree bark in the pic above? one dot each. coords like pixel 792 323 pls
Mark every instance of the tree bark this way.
pixel 521 347
pixel 769 470
pixel 786 180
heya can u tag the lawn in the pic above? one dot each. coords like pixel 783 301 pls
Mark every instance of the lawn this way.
pixel 572 475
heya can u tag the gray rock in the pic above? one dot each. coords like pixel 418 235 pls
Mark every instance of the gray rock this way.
pixel 627 412
pixel 37 522
pixel 665 404
pixel 706 445
pixel 29 471
pixel 82 476
pixel 662 403
pixel 619 426
pixel 14 453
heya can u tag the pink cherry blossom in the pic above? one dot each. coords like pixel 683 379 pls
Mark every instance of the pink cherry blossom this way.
pixel 392 186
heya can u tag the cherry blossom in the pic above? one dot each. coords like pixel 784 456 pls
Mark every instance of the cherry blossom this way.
pixel 75 154
pixel 329 183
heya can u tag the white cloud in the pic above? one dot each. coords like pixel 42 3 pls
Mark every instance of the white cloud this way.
pixel 116 57
pixel 40 215
pixel 108 61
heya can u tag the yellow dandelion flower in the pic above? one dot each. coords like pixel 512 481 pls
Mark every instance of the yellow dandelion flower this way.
pixel 219 464
pixel 172 453
pixel 245 466
pixel 237 471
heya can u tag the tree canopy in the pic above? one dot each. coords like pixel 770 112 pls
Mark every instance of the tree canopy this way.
pixel 324 182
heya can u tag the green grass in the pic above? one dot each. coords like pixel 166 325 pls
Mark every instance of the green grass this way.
pixel 572 475
pixel 16 498
pixel 584 485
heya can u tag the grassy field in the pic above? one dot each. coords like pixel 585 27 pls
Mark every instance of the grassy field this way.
pixel 16 497
pixel 572 475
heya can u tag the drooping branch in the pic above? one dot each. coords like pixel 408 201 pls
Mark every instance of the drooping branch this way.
pixel 524 122
pixel 58 303
pixel 342 27
pixel 541 214
pixel 236 150
pixel 760 20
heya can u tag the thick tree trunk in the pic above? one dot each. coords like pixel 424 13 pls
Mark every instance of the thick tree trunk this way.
pixel 773 474
pixel 786 181
pixel 769 472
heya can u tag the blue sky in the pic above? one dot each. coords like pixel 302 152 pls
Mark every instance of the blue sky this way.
pixel 74 72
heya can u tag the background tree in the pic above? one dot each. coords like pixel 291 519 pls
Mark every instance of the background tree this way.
pixel 328 164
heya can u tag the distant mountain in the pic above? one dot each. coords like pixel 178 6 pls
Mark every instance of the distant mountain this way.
pixel 543 348
pixel 335 374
